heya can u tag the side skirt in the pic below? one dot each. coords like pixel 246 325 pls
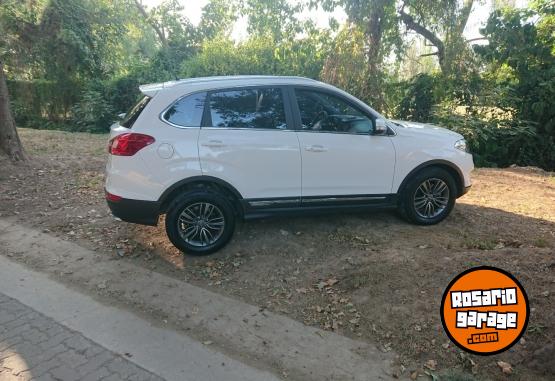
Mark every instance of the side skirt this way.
pixel 261 208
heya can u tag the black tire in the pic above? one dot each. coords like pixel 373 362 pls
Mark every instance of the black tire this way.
pixel 407 206
pixel 174 228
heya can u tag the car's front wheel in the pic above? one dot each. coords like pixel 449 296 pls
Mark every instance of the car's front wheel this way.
pixel 429 197
pixel 200 222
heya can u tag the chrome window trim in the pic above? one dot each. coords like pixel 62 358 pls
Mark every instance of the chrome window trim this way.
pixel 355 198
pixel 248 129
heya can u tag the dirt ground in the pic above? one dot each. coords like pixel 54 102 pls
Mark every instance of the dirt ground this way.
pixel 369 276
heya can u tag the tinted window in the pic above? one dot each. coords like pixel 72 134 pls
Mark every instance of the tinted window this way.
pixel 134 113
pixel 324 112
pixel 187 111
pixel 248 108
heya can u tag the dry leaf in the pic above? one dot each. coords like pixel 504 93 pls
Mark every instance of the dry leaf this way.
pixel 506 368
pixel 431 364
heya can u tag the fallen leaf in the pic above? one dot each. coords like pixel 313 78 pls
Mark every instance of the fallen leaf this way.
pixel 505 367
pixel 431 364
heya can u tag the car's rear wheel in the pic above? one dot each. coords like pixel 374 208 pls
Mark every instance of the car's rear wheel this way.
pixel 428 197
pixel 200 222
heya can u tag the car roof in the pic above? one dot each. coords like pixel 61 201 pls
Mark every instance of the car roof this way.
pixel 232 80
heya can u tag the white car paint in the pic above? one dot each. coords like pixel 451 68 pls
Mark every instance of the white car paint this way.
pixel 346 164
pixel 259 163
pixel 272 163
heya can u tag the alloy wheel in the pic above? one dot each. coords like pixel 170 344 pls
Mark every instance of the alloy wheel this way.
pixel 201 224
pixel 431 198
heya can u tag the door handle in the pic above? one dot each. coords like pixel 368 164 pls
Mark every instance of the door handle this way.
pixel 213 144
pixel 315 148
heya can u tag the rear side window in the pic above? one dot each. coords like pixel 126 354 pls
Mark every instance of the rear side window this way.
pixel 260 108
pixel 134 113
pixel 187 111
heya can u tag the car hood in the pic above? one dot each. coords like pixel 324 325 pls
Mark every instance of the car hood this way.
pixel 415 128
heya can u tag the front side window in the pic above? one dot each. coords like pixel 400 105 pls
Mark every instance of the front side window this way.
pixel 260 108
pixel 324 112
pixel 187 111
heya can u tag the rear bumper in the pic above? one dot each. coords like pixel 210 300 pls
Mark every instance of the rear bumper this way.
pixel 136 211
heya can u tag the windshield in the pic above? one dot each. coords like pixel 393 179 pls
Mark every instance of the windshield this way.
pixel 134 113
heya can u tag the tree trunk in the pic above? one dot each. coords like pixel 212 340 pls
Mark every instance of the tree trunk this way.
pixel 157 29
pixel 9 139
pixel 410 23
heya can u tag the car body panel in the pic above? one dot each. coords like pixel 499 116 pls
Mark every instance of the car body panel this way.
pixel 346 164
pixel 258 163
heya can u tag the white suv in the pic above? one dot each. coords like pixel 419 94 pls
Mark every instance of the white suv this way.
pixel 209 151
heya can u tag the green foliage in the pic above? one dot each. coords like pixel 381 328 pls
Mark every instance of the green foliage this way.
pixel 75 64
pixel 261 55
pixel 92 113
pixel 418 98
pixel 494 141
pixel 39 101
pixel 521 62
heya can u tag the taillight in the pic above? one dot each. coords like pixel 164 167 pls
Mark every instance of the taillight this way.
pixel 112 197
pixel 129 144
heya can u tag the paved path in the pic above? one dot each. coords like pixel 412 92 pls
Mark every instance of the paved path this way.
pixel 36 302
pixel 35 347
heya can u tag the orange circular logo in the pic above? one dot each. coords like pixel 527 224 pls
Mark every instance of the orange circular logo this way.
pixel 484 310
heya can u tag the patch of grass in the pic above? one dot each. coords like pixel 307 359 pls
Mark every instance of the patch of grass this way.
pixel 536 329
pixel 455 375
pixel 480 244
pixel 541 242
pixel 358 281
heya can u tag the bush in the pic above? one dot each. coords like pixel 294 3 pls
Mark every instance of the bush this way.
pixel 418 98
pixel 92 113
pixel 495 142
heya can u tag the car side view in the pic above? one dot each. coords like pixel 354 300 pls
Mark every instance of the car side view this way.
pixel 210 151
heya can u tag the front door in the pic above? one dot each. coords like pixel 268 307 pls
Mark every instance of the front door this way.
pixel 246 141
pixel 340 156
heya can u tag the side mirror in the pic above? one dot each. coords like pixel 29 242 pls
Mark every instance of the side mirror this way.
pixel 380 127
pixel 122 115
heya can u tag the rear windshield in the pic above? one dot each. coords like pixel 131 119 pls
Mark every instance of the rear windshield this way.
pixel 134 113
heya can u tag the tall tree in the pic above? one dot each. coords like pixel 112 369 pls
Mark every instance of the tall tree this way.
pixel 441 23
pixel 218 17
pixel 272 18
pixel 9 139
pixel 377 20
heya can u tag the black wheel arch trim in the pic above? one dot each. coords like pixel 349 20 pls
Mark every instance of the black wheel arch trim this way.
pixel 163 200
pixel 459 180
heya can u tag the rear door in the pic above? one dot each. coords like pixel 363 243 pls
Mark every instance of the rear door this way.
pixel 340 155
pixel 247 140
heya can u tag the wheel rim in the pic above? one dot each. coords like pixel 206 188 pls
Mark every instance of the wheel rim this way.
pixel 431 198
pixel 201 224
